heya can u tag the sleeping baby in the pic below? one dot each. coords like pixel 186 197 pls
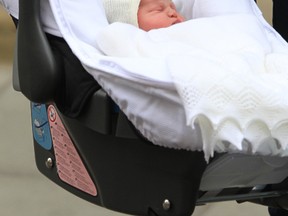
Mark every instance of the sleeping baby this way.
pixel 152 31
pixel 145 14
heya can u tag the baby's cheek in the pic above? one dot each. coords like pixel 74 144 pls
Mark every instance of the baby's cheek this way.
pixel 151 23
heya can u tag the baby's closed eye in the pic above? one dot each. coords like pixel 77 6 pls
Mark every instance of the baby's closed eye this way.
pixel 158 8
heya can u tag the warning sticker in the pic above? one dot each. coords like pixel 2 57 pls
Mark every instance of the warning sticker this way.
pixel 52 113
pixel 69 164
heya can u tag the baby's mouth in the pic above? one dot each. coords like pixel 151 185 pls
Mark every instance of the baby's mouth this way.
pixel 178 19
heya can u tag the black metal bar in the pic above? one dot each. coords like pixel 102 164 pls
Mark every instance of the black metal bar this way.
pixel 241 197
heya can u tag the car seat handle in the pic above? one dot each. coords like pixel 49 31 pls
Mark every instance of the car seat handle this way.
pixel 38 72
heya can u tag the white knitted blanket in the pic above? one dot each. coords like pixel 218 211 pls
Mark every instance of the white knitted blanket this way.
pixel 231 76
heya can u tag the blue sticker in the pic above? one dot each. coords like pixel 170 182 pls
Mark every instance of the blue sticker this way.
pixel 40 125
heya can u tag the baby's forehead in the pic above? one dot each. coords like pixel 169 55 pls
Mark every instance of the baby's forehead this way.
pixel 155 1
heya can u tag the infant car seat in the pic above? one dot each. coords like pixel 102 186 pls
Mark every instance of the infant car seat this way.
pixel 99 156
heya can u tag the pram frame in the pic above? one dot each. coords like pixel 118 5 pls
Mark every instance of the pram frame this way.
pixel 138 177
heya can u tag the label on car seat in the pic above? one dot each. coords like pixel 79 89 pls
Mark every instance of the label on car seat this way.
pixel 69 164
pixel 40 125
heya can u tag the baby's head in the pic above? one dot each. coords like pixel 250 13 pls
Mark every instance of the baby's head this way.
pixel 145 14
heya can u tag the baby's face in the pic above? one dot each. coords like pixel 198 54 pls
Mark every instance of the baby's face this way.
pixel 154 14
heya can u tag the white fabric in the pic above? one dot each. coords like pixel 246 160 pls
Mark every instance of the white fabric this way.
pixel 122 11
pixel 144 88
pixel 47 19
pixel 208 8
pixel 185 8
pixel 221 75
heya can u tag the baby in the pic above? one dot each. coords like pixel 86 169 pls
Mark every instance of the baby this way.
pixel 145 14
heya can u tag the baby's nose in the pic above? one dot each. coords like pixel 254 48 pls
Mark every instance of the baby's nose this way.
pixel 172 12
